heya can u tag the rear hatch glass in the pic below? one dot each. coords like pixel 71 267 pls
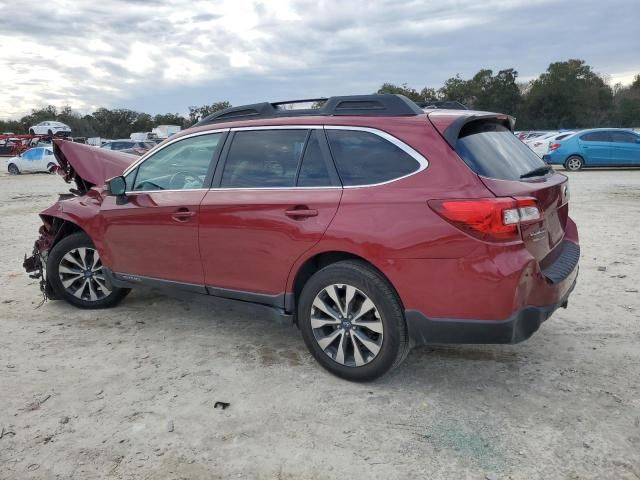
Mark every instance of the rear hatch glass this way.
pixel 491 150
pixel 510 169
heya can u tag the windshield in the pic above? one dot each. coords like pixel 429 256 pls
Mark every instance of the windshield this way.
pixel 491 150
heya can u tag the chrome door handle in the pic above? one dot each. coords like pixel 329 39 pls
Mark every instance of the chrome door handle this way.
pixel 296 213
pixel 183 215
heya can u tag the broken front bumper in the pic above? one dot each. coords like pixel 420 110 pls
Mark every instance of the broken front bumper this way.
pixel 35 265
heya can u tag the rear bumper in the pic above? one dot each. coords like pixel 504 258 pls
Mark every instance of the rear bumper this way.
pixel 517 328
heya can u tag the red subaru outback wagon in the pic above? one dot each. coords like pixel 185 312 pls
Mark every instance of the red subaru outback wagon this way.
pixel 370 223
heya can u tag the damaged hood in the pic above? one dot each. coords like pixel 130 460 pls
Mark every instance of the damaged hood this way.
pixel 89 166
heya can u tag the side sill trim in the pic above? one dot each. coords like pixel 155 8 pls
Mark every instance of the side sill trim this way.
pixel 269 306
pixel 127 280
pixel 251 297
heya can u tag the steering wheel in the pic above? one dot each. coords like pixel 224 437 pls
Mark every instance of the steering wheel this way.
pixel 180 179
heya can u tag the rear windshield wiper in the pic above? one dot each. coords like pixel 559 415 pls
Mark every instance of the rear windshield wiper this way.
pixel 537 171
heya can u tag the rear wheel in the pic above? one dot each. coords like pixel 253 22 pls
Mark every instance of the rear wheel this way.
pixel 50 133
pixel 51 168
pixel 352 321
pixel 75 273
pixel 574 163
pixel 13 169
pixel 31 131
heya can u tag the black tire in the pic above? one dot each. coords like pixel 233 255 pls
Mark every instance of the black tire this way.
pixel 574 163
pixel 51 167
pixel 69 244
pixel 31 131
pixel 366 280
pixel 13 169
pixel 50 133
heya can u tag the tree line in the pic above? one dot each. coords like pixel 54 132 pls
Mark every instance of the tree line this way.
pixel 568 94
pixel 106 123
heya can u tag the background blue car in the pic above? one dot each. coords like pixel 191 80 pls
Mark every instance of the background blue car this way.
pixel 598 147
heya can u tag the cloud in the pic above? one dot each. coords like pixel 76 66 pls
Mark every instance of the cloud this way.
pixel 168 54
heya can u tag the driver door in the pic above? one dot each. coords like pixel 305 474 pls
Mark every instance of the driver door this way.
pixel 154 231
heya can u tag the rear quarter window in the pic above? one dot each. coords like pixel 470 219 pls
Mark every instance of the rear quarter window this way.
pixel 490 149
pixel 364 158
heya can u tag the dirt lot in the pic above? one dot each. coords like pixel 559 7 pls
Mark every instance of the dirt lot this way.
pixel 131 392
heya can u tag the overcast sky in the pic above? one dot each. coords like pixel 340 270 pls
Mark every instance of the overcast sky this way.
pixel 164 55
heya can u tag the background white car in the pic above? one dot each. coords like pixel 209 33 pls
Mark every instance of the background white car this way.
pixel 39 159
pixel 540 145
pixel 50 127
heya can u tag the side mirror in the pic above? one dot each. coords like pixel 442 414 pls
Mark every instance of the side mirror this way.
pixel 117 186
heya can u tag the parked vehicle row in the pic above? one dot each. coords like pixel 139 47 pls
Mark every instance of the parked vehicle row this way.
pixel 597 147
pixel 134 147
pixel 370 224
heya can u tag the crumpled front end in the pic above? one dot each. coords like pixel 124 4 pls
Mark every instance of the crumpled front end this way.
pixel 35 264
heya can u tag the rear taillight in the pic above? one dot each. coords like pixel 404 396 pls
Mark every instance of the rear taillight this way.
pixel 554 146
pixel 490 219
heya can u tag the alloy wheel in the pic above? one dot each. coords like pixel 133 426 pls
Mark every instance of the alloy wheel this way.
pixel 574 163
pixel 346 325
pixel 81 274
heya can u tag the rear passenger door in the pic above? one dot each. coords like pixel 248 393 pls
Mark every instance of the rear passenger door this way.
pixel 274 194
pixel 596 147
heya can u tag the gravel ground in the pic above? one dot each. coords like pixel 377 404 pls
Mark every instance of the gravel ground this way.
pixel 131 392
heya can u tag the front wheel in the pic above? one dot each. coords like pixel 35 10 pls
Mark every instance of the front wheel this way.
pixel 31 131
pixel 574 163
pixel 352 321
pixel 75 273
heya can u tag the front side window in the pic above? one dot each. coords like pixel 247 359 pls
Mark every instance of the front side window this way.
pixel 264 158
pixel 624 137
pixel 182 165
pixel 596 137
pixel 364 158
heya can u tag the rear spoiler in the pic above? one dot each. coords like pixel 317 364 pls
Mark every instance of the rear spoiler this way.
pixel 449 125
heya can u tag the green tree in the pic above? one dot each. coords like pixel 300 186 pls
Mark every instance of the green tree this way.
pixel 568 95
pixel 486 91
pixel 425 95
pixel 114 123
pixel 627 104
pixel 198 113
pixel 170 119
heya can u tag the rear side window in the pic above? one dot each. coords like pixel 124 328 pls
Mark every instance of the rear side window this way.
pixel 491 150
pixel 264 158
pixel 364 158
pixel 313 171
pixel 596 137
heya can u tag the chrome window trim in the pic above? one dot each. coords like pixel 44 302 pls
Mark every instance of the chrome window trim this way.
pixel 423 163
pixel 418 157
